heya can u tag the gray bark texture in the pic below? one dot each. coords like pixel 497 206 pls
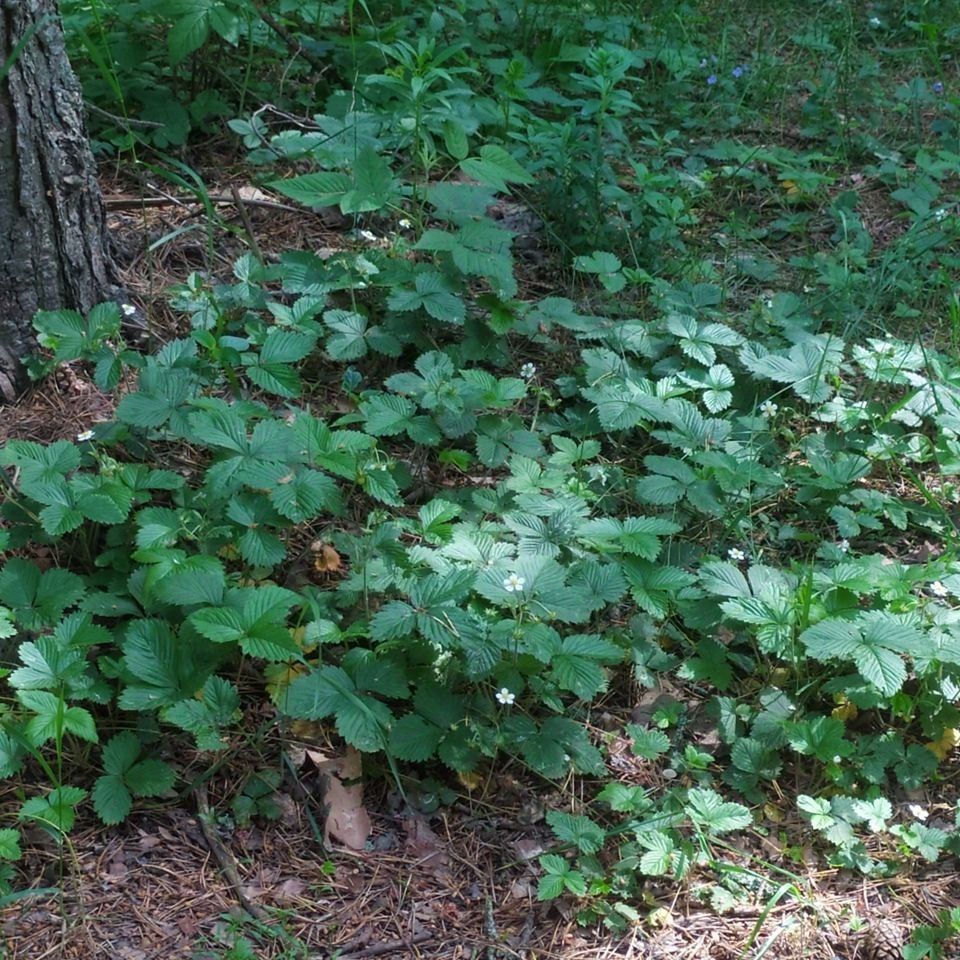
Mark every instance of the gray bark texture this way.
pixel 54 249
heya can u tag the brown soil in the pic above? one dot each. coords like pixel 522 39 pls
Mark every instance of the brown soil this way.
pixel 455 884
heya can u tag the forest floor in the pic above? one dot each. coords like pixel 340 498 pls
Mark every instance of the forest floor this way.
pixel 456 885
pixel 459 882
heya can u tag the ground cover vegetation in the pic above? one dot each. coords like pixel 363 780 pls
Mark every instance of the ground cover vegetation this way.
pixel 638 371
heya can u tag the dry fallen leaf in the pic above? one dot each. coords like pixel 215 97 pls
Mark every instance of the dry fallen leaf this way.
pixel 523 889
pixel 325 558
pixel 116 871
pixel 470 779
pixel 949 739
pixel 290 891
pixel 307 729
pixel 347 819
pixel 424 844
pixel 318 758
pixel 252 193
pixel 528 848
pixel 279 676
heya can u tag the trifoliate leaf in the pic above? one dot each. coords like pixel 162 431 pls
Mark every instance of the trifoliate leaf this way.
pixel 658 857
pixel 413 738
pixel 495 168
pixel 150 778
pixel 111 799
pixel 120 753
pixel 707 809
pixel 582 832
pixel 648 744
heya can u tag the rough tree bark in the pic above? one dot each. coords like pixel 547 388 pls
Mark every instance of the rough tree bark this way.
pixel 54 249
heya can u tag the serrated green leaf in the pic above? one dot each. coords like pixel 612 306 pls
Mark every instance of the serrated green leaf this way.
pixel 38 599
pixel 111 799
pixel 648 744
pixel 386 414
pixel 495 168
pixel 373 184
pixel 582 832
pixel 304 495
pixel 413 738
pixel 54 718
pixel 45 664
pixel 314 189
pixel 820 737
pixel 550 886
pixel 286 346
pixel 188 33
pixel 724 580
pixel 150 778
pixel 205 718
pixel 875 812
pixel 349 332
pixel 56 811
pixel 707 809
pixel 9 844
pixel 120 753
pixel 192 580
pixel 658 857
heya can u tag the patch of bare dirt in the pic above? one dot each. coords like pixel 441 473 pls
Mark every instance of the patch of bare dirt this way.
pixel 458 884
pixel 63 405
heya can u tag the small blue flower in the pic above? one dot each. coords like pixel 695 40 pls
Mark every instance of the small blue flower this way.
pixel 711 80
pixel 938 86
pixel 737 72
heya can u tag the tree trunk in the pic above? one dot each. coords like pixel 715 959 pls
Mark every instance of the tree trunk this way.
pixel 53 238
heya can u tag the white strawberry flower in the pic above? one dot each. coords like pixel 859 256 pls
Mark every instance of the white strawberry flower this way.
pixel 84 436
pixel 128 309
pixel 938 589
pixel 505 697
pixel 528 371
pixel 736 555
pixel 513 583
pixel 768 409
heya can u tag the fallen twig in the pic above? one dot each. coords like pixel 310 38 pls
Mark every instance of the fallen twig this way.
pixel 389 947
pixel 127 122
pixel 247 225
pixel 223 856
pixel 295 46
pixel 135 203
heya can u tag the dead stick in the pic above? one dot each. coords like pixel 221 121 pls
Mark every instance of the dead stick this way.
pixel 247 225
pixel 223 856
pixel 127 122
pixel 381 948
pixel 296 47
pixel 132 203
